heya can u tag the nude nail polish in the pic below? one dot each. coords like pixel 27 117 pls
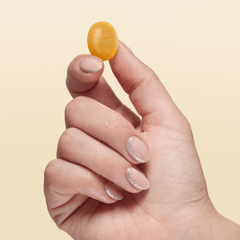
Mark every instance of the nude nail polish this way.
pixel 90 65
pixel 113 192
pixel 137 149
pixel 137 179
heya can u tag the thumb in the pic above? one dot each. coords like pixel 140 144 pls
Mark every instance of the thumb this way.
pixel 145 90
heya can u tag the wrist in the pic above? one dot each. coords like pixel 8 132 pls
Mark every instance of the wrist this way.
pixel 199 226
pixel 203 222
pixel 223 228
pixel 214 226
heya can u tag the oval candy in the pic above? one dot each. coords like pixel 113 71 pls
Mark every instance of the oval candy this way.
pixel 102 40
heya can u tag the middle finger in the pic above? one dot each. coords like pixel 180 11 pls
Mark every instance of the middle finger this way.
pixel 107 126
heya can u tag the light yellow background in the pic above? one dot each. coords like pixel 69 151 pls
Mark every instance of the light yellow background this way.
pixel 193 46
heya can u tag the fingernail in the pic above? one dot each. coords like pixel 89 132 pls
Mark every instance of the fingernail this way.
pixel 90 65
pixel 113 192
pixel 137 149
pixel 137 179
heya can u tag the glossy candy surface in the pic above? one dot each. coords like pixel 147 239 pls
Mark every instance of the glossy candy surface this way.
pixel 102 40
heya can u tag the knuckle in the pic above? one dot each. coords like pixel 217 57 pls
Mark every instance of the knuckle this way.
pixel 110 159
pixel 50 171
pixel 75 107
pixel 85 176
pixel 113 123
pixel 182 123
pixel 187 126
pixel 67 138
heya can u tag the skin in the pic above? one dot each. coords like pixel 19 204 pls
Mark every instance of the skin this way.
pixel 92 151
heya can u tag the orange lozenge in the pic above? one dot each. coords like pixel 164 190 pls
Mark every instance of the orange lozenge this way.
pixel 102 40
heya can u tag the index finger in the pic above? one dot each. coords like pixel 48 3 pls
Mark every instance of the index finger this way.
pixel 84 78
pixel 80 80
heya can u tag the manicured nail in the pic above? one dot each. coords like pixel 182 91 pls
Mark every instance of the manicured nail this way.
pixel 113 192
pixel 137 179
pixel 90 65
pixel 137 149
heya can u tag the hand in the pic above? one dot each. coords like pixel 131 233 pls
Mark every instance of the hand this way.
pixel 92 153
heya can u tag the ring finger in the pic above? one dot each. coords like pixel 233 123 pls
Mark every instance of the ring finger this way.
pixel 78 147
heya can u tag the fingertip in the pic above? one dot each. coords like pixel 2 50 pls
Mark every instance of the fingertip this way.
pixel 85 66
pixel 122 49
pixel 122 44
pixel 83 73
pixel 91 65
pixel 112 192
pixel 138 150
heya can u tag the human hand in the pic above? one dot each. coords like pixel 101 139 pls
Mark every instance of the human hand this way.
pixel 92 152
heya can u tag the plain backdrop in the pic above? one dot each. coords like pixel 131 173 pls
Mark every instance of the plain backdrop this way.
pixel 194 48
